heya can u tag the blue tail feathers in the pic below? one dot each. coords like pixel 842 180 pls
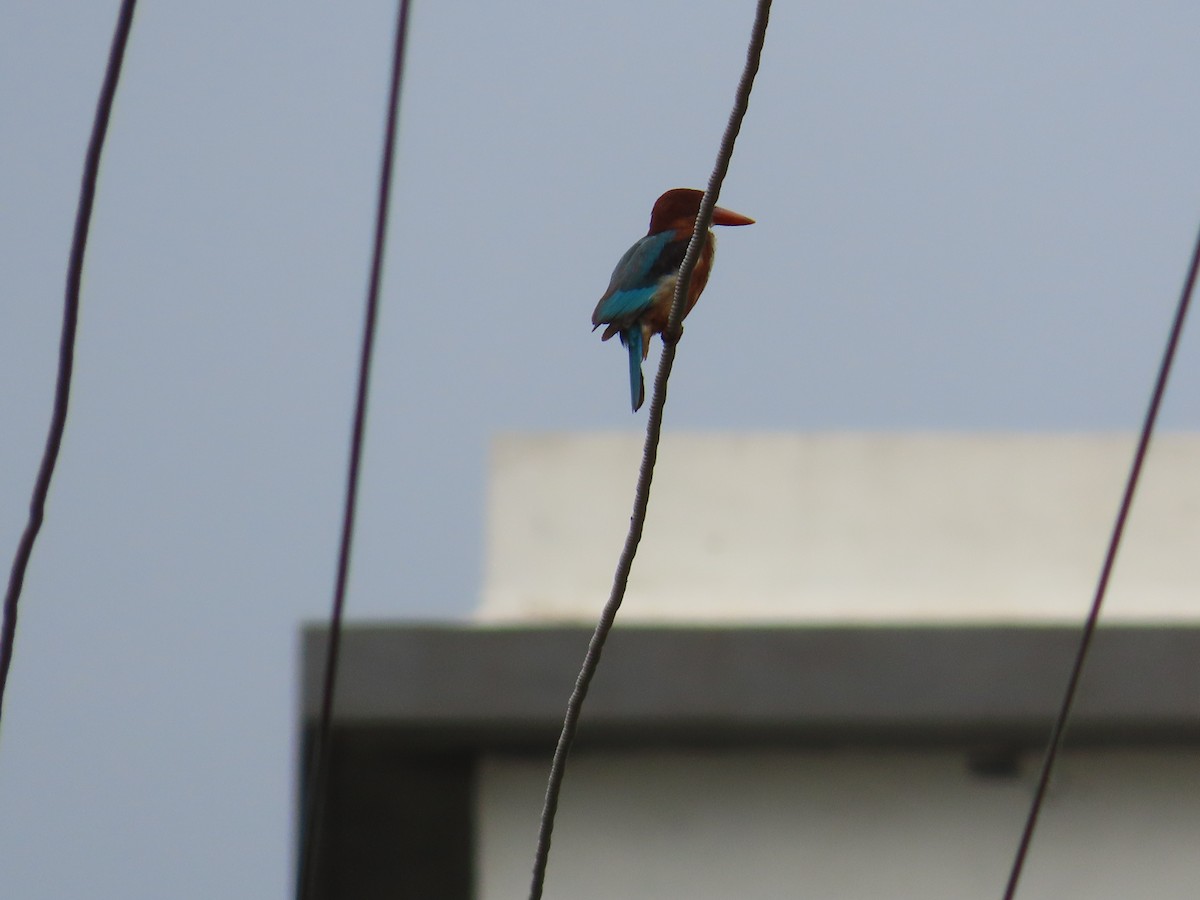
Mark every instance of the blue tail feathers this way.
pixel 637 387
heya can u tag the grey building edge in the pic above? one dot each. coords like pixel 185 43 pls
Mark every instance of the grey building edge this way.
pixel 418 705
pixel 471 687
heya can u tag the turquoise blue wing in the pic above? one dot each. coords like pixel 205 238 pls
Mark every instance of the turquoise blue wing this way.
pixel 635 281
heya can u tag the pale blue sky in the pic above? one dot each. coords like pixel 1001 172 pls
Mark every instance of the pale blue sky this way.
pixel 970 216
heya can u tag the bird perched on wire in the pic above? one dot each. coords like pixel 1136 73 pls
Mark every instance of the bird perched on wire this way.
pixel 638 301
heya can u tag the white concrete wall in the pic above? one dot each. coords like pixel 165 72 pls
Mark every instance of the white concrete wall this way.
pixel 854 528
pixel 842 528
pixel 841 826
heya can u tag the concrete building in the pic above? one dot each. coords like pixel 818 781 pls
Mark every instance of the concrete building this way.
pixel 833 676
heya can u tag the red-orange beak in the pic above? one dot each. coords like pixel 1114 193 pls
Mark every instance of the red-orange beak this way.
pixel 728 217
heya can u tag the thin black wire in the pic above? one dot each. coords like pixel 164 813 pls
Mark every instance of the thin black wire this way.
pixel 66 347
pixel 317 772
pixel 649 455
pixel 1110 558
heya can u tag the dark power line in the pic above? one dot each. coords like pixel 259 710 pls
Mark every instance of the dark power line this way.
pixel 317 770
pixel 66 348
pixel 649 454
pixel 1110 558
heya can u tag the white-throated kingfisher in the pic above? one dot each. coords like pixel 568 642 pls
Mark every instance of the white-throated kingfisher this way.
pixel 638 301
